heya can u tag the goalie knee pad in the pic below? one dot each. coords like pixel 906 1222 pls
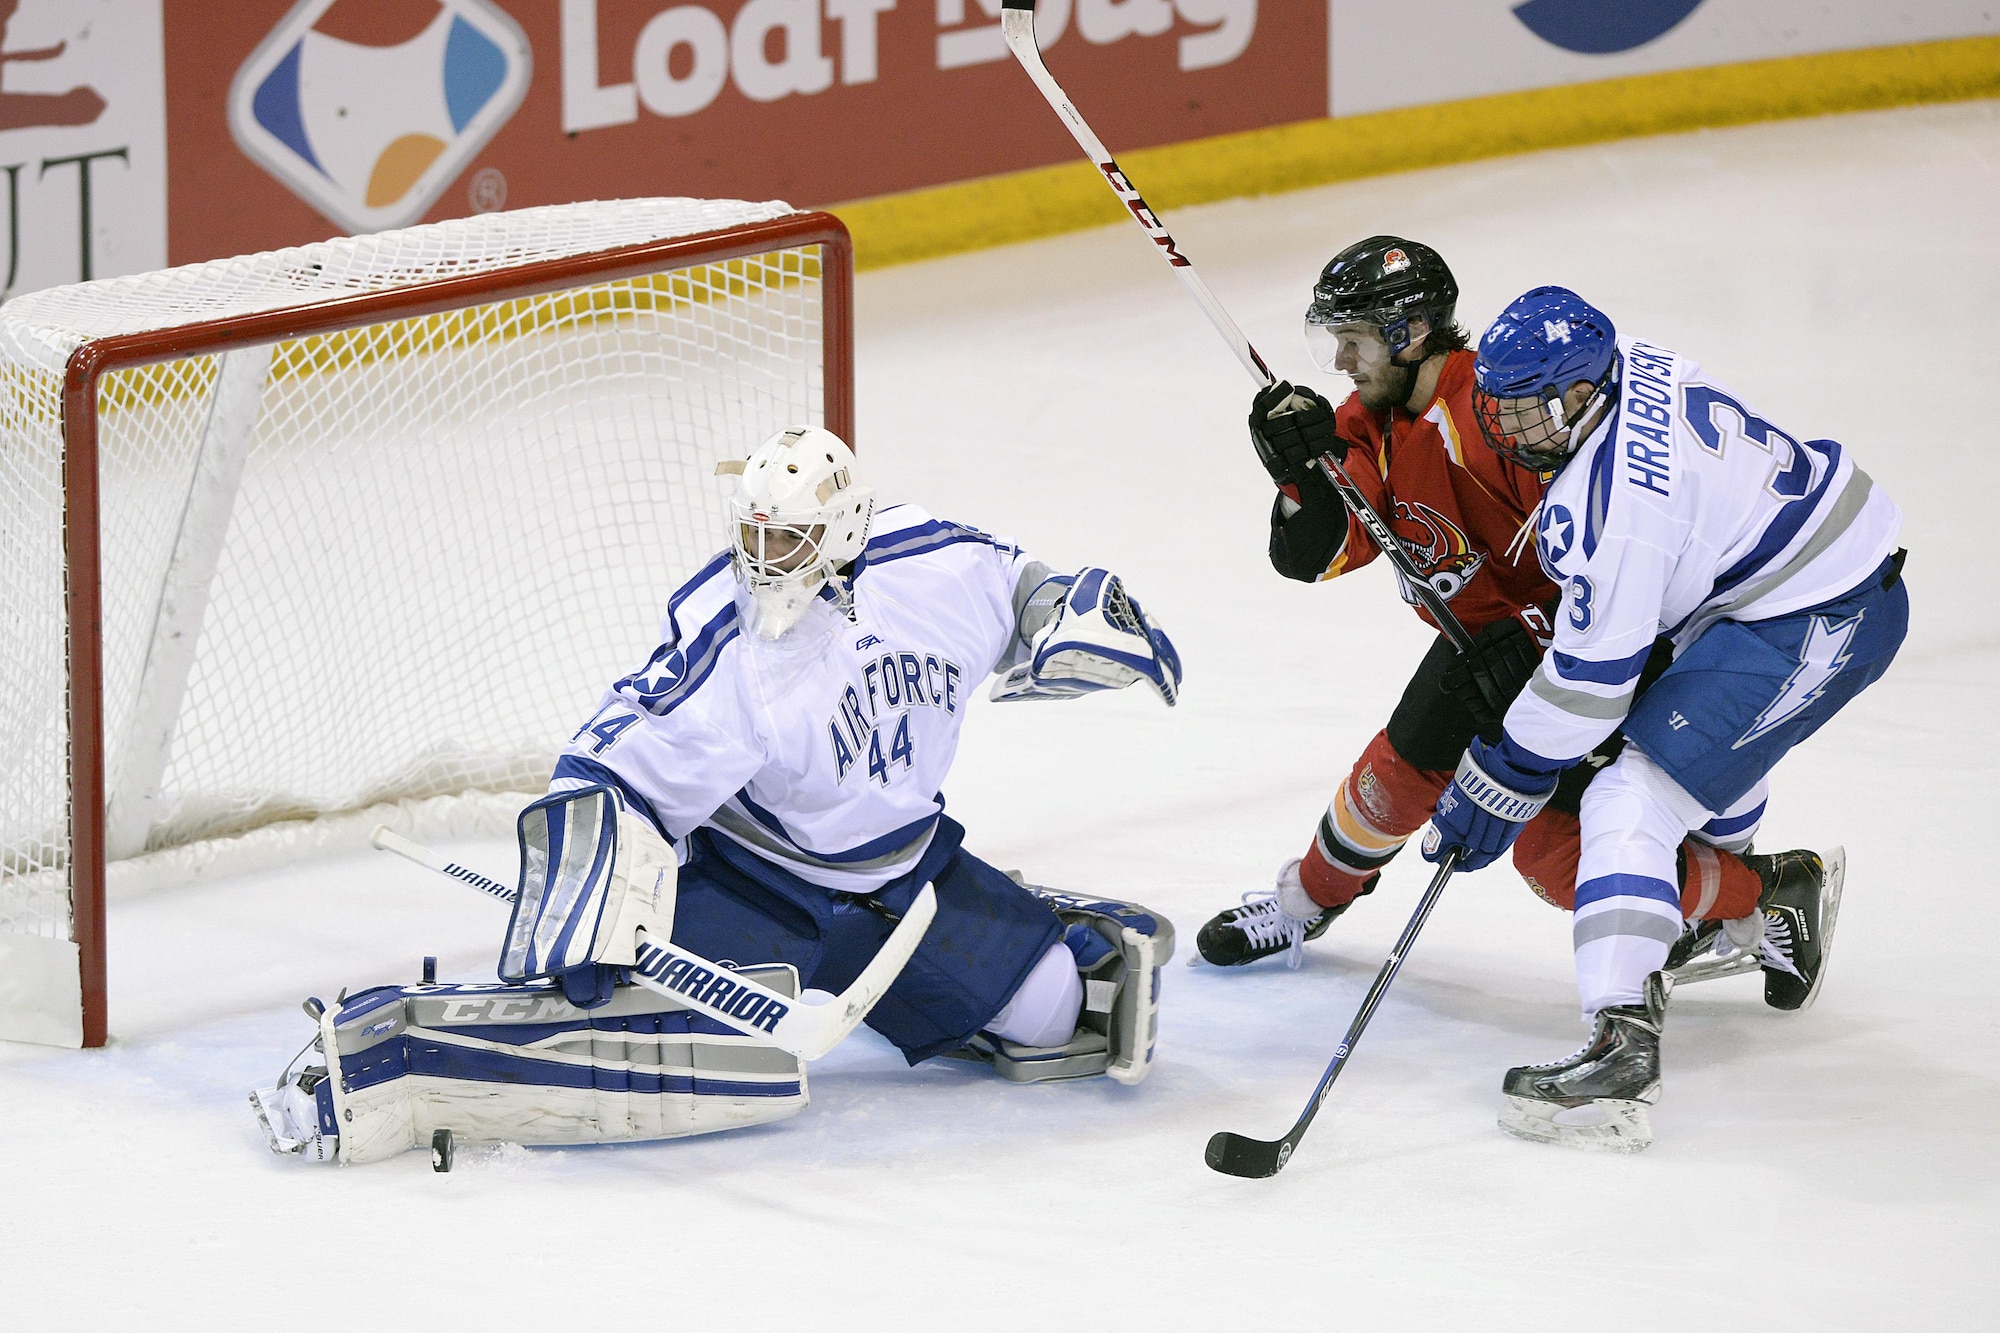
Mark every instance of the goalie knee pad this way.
pixel 1120 950
pixel 394 1064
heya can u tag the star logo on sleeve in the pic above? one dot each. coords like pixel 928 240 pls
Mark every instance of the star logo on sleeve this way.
pixel 1555 534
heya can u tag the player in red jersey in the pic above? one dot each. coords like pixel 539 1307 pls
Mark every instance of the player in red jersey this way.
pixel 1382 314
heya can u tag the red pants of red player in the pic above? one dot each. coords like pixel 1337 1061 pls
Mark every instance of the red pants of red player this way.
pixel 1385 800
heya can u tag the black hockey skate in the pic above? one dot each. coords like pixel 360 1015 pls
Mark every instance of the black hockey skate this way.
pixel 1800 903
pixel 1788 938
pixel 1260 928
pixel 1597 1098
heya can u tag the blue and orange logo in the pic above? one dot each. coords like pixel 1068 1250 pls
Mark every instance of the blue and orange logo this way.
pixel 368 112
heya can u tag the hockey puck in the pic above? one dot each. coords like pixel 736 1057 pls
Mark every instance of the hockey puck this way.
pixel 441 1150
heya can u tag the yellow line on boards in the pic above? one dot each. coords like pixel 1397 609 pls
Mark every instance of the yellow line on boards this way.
pixel 1019 206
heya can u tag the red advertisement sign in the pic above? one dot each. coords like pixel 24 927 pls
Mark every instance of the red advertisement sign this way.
pixel 289 123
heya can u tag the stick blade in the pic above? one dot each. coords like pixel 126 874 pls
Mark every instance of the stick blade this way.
pixel 1253 1159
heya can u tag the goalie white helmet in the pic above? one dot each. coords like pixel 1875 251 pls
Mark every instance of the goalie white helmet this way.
pixel 801 513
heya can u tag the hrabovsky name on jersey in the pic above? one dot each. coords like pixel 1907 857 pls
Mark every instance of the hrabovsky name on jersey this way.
pixel 1645 426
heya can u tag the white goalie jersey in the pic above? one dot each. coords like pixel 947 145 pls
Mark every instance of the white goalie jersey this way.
pixel 824 750
pixel 1685 508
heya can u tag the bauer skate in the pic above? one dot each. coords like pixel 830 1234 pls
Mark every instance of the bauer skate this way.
pixel 1788 937
pixel 1599 1097
pixel 1266 923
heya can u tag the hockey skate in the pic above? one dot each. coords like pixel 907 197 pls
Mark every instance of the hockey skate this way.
pixel 1789 935
pixel 1266 923
pixel 1597 1098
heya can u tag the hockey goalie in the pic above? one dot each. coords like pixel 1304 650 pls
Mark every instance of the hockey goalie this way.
pixel 753 811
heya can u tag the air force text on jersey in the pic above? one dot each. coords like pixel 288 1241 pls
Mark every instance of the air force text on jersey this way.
pixel 896 682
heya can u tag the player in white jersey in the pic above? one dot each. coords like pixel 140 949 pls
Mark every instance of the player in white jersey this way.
pixel 767 784
pixel 1770 566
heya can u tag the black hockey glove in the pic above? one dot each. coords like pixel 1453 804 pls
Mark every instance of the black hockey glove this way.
pixel 1291 427
pixel 1485 680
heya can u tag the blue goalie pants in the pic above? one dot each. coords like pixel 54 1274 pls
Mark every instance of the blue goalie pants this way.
pixel 1744 693
pixel 988 934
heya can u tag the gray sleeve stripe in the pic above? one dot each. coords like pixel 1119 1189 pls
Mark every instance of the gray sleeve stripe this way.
pixel 1030 613
pixel 1033 575
pixel 1623 921
pixel 1607 708
pixel 748 831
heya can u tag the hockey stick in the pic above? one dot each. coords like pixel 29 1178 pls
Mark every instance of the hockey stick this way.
pixel 727 996
pixel 1235 1155
pixel 1017 23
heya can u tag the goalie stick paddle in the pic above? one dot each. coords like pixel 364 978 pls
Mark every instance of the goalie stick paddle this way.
pixel 1235 1155
pixel 727 996
pixel 1017 23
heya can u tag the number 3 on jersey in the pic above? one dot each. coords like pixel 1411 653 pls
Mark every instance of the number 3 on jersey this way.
pixel 900 751
pixel 1580 593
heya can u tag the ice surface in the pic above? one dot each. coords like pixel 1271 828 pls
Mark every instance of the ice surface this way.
pixel 1831 1169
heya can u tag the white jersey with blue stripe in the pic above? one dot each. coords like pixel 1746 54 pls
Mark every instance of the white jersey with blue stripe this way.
pixel 1682 509
pixel 822 751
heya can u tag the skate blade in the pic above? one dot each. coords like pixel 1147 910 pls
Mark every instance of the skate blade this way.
pixel 1712 967
pixel 1832 881
pixel 1609 1124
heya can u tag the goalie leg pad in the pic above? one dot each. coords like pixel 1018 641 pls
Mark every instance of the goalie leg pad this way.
pixel 1043 1011
pixel 520 1063
pixel 592 876
pixel 1121 950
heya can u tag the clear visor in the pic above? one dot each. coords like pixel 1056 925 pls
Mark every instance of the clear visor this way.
pixel 1347 347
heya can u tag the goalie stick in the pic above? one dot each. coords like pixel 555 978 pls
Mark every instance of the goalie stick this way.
pixel 1235 1155
pixel 805 1030
pixel 1017 21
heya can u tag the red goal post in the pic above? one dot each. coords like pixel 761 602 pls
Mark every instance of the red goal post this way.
pixel 536 401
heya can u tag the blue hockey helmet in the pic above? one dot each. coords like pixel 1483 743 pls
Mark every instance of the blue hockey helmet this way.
pixel 1547 340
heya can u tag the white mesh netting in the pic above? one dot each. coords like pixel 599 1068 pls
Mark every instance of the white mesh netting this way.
pixel 437 541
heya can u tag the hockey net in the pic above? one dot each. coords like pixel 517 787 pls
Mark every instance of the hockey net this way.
pixel 360 528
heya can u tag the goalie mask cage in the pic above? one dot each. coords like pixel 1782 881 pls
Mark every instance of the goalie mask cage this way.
pixel 372 520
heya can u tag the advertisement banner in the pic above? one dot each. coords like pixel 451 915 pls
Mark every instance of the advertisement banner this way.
pixel 288 123
pixel 83 161
pixel 135 133
pixel 1417 52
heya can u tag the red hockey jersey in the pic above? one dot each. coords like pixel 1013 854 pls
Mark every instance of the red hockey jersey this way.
pixel 1459 507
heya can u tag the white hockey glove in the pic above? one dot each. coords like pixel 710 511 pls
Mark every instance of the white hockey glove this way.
pixel 592 876
pixel 1097 638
